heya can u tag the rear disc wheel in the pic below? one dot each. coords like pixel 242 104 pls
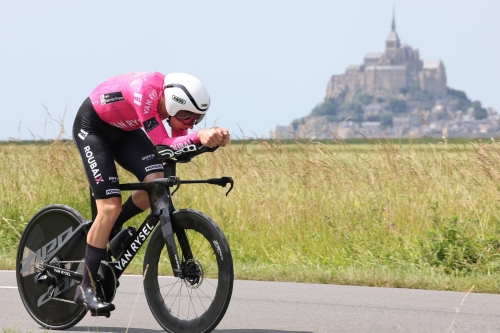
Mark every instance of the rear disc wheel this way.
pixel 46 230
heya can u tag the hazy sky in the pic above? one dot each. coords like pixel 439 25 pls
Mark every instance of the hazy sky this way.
pixel 265 63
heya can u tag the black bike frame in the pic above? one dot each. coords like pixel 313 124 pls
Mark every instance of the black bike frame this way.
pixel 161 210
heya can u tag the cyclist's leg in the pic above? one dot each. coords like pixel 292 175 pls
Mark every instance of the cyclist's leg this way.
pixel 135 153
pixel 107 212
pixel 92 137
pixel 97 238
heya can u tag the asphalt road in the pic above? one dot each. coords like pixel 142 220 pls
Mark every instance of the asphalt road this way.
pixel 273 307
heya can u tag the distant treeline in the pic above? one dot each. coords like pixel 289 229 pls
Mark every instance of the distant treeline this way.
pixel 298 140
pixel 32 142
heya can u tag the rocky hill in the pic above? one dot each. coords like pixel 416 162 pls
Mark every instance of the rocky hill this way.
pixel 393 94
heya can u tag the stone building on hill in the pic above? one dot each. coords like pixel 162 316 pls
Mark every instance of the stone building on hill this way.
pixel 387 74
pixel 393 94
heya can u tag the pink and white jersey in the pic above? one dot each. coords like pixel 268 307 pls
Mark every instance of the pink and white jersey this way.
pixel 130 101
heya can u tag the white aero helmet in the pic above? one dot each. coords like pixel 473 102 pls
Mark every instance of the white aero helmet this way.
pixel 184 92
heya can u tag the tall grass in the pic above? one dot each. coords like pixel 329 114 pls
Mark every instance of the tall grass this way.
pixel 383 214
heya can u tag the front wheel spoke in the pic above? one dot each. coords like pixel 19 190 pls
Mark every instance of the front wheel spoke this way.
pixel 164 298
pixel 211 300
pixel 180 299
pixel 198 248
pixel 203 254
pixel 189 304
pixel 201 300
pixel 166 285
pixel 208 281
pixel 205 268
pixel 194 309
pixel 175 298
pixel 193 236
pixel 190 293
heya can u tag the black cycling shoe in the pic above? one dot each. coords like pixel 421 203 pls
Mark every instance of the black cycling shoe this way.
pixel 93 303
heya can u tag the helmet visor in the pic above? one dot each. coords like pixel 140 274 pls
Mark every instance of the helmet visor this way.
pixel 187 117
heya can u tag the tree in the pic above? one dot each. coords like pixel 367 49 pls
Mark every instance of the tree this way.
pixel 327 108
pixel 386 121
pixel 297 122
pixel 397 106
pixel 476 105
pixel 463 102
pixel 479 112
pixel 457 93
pixel 354 111
pixel 414 87
pixel 366 99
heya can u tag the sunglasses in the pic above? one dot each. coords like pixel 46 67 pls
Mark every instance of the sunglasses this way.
pixel 187 117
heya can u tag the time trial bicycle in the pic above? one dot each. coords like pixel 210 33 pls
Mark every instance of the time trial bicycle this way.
pixel 187 268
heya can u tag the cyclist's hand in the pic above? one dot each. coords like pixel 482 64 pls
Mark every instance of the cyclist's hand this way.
pixel 212 137
pixel 225 136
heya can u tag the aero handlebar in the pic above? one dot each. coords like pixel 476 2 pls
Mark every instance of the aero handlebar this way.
pixel 165 153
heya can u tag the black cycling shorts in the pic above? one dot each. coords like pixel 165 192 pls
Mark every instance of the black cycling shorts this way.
pixel 101 144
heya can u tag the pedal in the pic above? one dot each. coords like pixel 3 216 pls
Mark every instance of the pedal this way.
pixel 99 314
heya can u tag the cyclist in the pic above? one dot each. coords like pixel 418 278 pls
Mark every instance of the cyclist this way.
pixel 121 121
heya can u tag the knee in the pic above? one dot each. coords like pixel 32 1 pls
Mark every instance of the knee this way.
pixel 109 209
pixel 153 176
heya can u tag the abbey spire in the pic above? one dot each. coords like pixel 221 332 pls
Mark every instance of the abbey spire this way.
pixel 392 41
pixel 393 27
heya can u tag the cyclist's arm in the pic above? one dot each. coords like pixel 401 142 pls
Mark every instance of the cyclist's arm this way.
pixel 158 134
pixel 148 114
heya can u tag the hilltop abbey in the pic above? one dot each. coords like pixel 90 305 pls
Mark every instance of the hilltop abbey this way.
pixel 387 74
pixel 393 94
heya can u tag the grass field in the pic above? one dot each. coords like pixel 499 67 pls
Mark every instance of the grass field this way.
pixel 408 213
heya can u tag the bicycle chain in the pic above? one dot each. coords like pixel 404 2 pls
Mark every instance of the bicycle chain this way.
pixel 69 262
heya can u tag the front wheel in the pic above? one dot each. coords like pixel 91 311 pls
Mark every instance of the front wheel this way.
pixel 197 302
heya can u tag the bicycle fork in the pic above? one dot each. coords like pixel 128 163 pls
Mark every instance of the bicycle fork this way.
pixel 168 231
pixel 168 235
pixel 166 222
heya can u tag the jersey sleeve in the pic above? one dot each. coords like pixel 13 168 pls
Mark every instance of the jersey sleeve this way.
pixel 146 99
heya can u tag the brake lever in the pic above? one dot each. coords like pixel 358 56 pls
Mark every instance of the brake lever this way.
pixel 223 181
pixel 230 180
pixel 173 180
